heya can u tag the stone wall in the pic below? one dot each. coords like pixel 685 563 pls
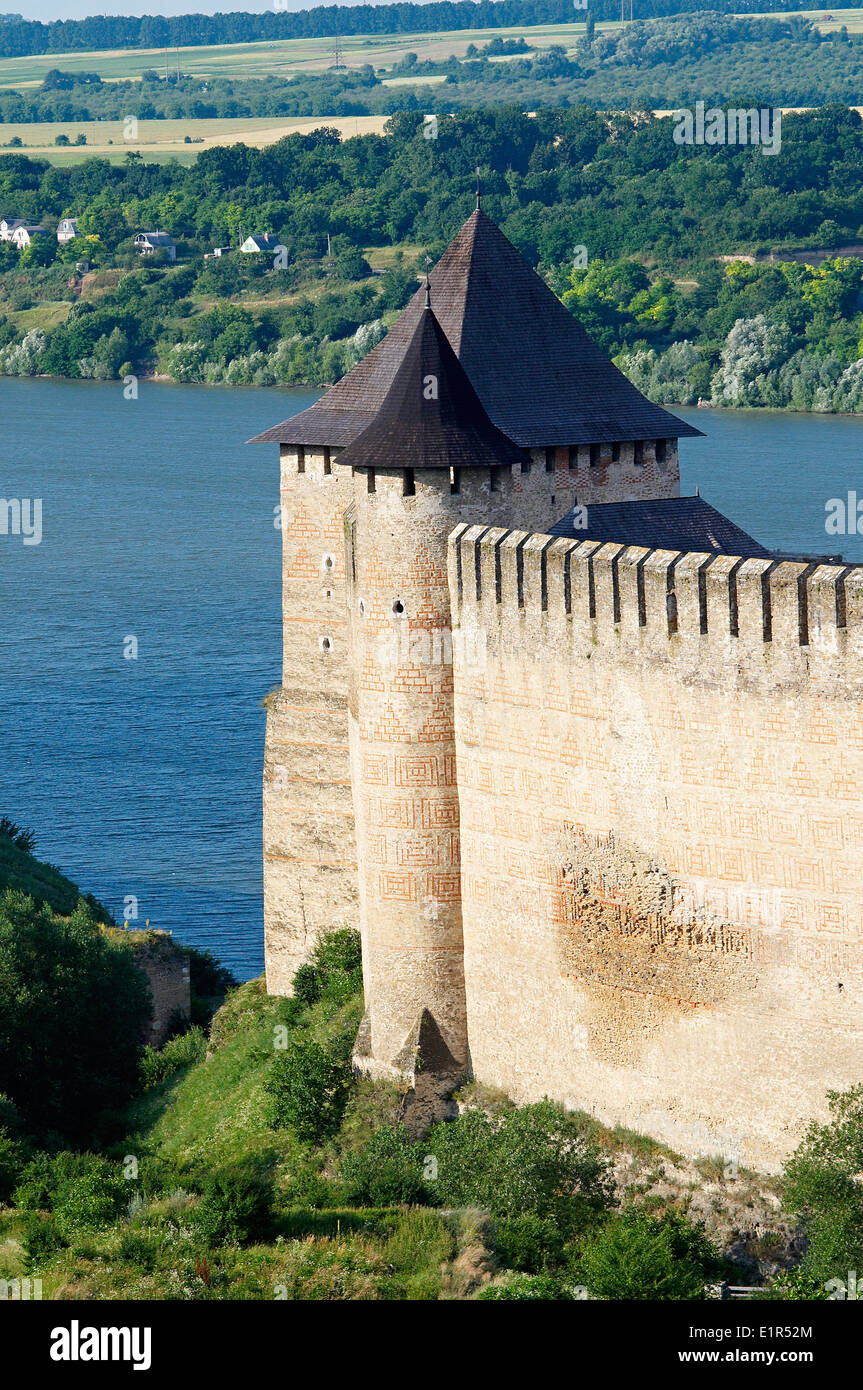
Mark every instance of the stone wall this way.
pixel 166 967
pixel 660 773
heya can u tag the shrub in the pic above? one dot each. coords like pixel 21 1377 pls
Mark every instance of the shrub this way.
pixel 638 1256
pixel 335 970
pixel 14 1149
pixel 82 1191
pixel 18 834
pixel 41 1238
pixel 528 1286
pixel 528 1242
pixel 532 1159
pixel 307 984
pixel 235 1207
pixel 388 1171
pixel 178 1052
pixel 308 1090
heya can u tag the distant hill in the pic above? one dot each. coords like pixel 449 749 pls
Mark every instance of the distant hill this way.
pixel 20 38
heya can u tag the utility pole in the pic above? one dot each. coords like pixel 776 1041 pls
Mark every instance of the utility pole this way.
pixel 337 52
pixel 166 56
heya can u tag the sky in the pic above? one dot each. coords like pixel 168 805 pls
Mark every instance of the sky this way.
pixel 82 9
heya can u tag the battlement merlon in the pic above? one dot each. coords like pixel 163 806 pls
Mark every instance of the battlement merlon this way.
pixel 759 621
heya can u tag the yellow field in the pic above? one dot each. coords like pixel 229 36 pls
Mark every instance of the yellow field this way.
pixel 165 139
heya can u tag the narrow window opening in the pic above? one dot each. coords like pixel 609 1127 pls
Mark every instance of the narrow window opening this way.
pixel 615 453
pixel 594 455
pixel 398 607
pixel 661 450
pixel 370 480
pixel 454 480
pixel 494 480
pixel 325 644
pixel 638 452
pixel 301 460
pixel 408 488
pixel 573 458
pixel 549 460
pixel 525 467
pixel 328 466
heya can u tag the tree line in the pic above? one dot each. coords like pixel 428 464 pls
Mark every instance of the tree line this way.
pixel 650 213
pixel 20 38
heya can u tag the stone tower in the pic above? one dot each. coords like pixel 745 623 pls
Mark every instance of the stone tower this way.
pixel 587 435
pixel 431 459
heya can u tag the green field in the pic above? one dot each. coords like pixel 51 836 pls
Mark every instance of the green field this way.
pixel 281 59
pixel 290 56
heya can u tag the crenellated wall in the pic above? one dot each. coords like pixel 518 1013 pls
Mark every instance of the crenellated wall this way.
pixel 610 472
pixel 660 774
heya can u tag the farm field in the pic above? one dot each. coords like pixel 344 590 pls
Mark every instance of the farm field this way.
pixel 281 59
pixel 166 139
pixel 289 56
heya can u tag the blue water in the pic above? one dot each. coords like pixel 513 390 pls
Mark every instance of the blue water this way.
pixel 143 777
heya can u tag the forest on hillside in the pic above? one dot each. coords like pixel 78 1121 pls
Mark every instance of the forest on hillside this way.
pixel 651 216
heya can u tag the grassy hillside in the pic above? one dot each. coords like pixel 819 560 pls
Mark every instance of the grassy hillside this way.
pixel 20 870
pixel 226 1184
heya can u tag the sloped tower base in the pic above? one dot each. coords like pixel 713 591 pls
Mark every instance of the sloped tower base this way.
pixel 425 1063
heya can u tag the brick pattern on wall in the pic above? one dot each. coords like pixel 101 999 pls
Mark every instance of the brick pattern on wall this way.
pixel 702 743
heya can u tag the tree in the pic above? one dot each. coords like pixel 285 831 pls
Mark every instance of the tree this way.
pixel 73 1005
pixel 824 1186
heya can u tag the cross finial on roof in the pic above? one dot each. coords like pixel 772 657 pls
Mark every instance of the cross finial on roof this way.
pixel 477 188
pixel 428 288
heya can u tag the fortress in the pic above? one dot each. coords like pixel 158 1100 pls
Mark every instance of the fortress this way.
pixel 581 759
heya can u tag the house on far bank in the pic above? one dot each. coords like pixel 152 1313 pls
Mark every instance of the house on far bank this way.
pixel 216 252
pixel 67 230
pixel 25 233
pixel 148 242
pixel 255 244
pixel 8 225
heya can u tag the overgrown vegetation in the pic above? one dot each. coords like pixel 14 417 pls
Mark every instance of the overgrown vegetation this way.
pixel 256 1165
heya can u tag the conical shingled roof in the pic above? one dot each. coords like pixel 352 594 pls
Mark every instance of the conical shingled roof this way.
pixel 540 377
pixel 430 417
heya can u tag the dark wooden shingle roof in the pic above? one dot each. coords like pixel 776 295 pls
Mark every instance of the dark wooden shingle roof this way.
pixel 540 377
pixel 431 417
pixel 669 523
